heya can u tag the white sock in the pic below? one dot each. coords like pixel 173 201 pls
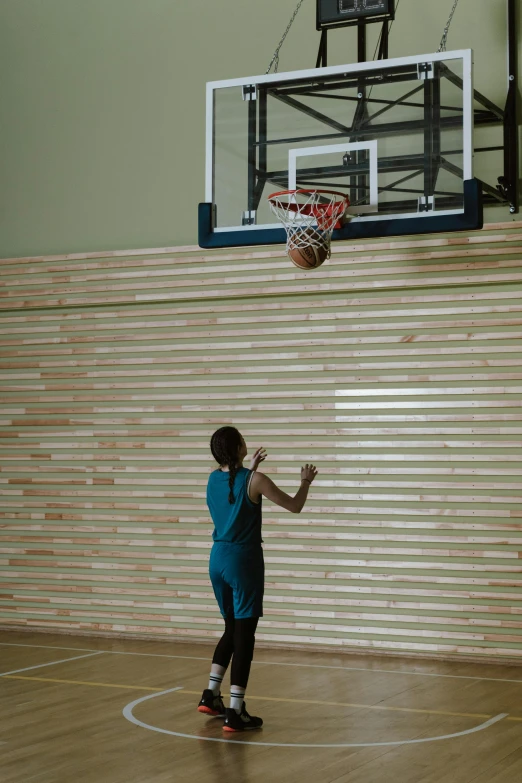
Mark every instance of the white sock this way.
pixel 214 683
pixel 237 696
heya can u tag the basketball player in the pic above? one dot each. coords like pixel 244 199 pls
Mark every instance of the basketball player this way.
pixel 237 568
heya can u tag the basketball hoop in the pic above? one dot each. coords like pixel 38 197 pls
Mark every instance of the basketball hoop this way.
pixel 309 216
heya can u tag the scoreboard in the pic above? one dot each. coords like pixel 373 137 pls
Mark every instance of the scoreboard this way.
pixel 337 13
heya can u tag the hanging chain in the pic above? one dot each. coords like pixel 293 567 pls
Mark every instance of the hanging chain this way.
pixel 275 58
pixel 444 41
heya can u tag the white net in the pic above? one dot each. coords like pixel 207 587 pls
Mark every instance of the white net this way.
pixel 309 216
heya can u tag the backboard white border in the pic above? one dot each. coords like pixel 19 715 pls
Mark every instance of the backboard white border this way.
pixel 466 55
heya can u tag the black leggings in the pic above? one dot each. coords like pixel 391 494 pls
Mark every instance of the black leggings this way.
pixel 237 641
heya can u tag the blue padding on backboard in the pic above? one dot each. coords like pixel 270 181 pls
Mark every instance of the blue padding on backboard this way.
pixel 208 238
pixel 471 219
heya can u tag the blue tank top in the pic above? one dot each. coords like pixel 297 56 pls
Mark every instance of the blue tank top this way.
pixel 234 523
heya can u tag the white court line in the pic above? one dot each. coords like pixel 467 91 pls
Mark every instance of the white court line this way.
pixel 52 663
pixel 128 714
pixel 405 672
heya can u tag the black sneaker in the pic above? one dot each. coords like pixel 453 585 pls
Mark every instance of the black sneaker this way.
pixel 241 722
pixel 211 704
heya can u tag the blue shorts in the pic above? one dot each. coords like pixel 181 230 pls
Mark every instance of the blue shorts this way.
pixel 237 573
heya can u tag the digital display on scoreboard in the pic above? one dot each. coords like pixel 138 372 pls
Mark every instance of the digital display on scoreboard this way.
pixel 362 7
pixel 338 12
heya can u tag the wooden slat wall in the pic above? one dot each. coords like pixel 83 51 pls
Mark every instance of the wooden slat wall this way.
pixel 397 368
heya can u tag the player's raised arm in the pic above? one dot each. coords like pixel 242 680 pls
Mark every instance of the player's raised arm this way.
pixel 262 485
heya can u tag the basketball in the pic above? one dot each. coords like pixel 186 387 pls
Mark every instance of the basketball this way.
pixel 308 257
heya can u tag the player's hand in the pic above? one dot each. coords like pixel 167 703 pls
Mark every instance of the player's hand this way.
pixel 258 457
pixel 309 472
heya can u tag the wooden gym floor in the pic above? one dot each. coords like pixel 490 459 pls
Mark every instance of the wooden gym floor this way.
pixel 85 710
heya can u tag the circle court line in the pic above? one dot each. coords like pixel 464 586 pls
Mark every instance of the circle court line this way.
pixel 128 714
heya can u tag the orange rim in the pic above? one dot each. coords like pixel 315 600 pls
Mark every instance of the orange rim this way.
pixel 343 196
pixel 313 208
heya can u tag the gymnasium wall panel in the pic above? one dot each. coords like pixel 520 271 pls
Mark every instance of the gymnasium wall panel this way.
pixel 396 368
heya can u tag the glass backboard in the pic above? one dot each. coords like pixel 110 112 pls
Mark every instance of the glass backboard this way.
pixel 395 135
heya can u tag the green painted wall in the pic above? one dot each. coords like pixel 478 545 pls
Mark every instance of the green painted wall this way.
pixel 102 104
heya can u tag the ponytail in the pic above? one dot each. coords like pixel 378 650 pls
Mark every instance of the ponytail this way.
pixel 231 479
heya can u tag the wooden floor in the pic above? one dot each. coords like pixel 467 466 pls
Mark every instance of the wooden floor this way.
pixel 69 714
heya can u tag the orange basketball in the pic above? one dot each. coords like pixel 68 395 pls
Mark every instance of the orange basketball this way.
pixel 308 257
